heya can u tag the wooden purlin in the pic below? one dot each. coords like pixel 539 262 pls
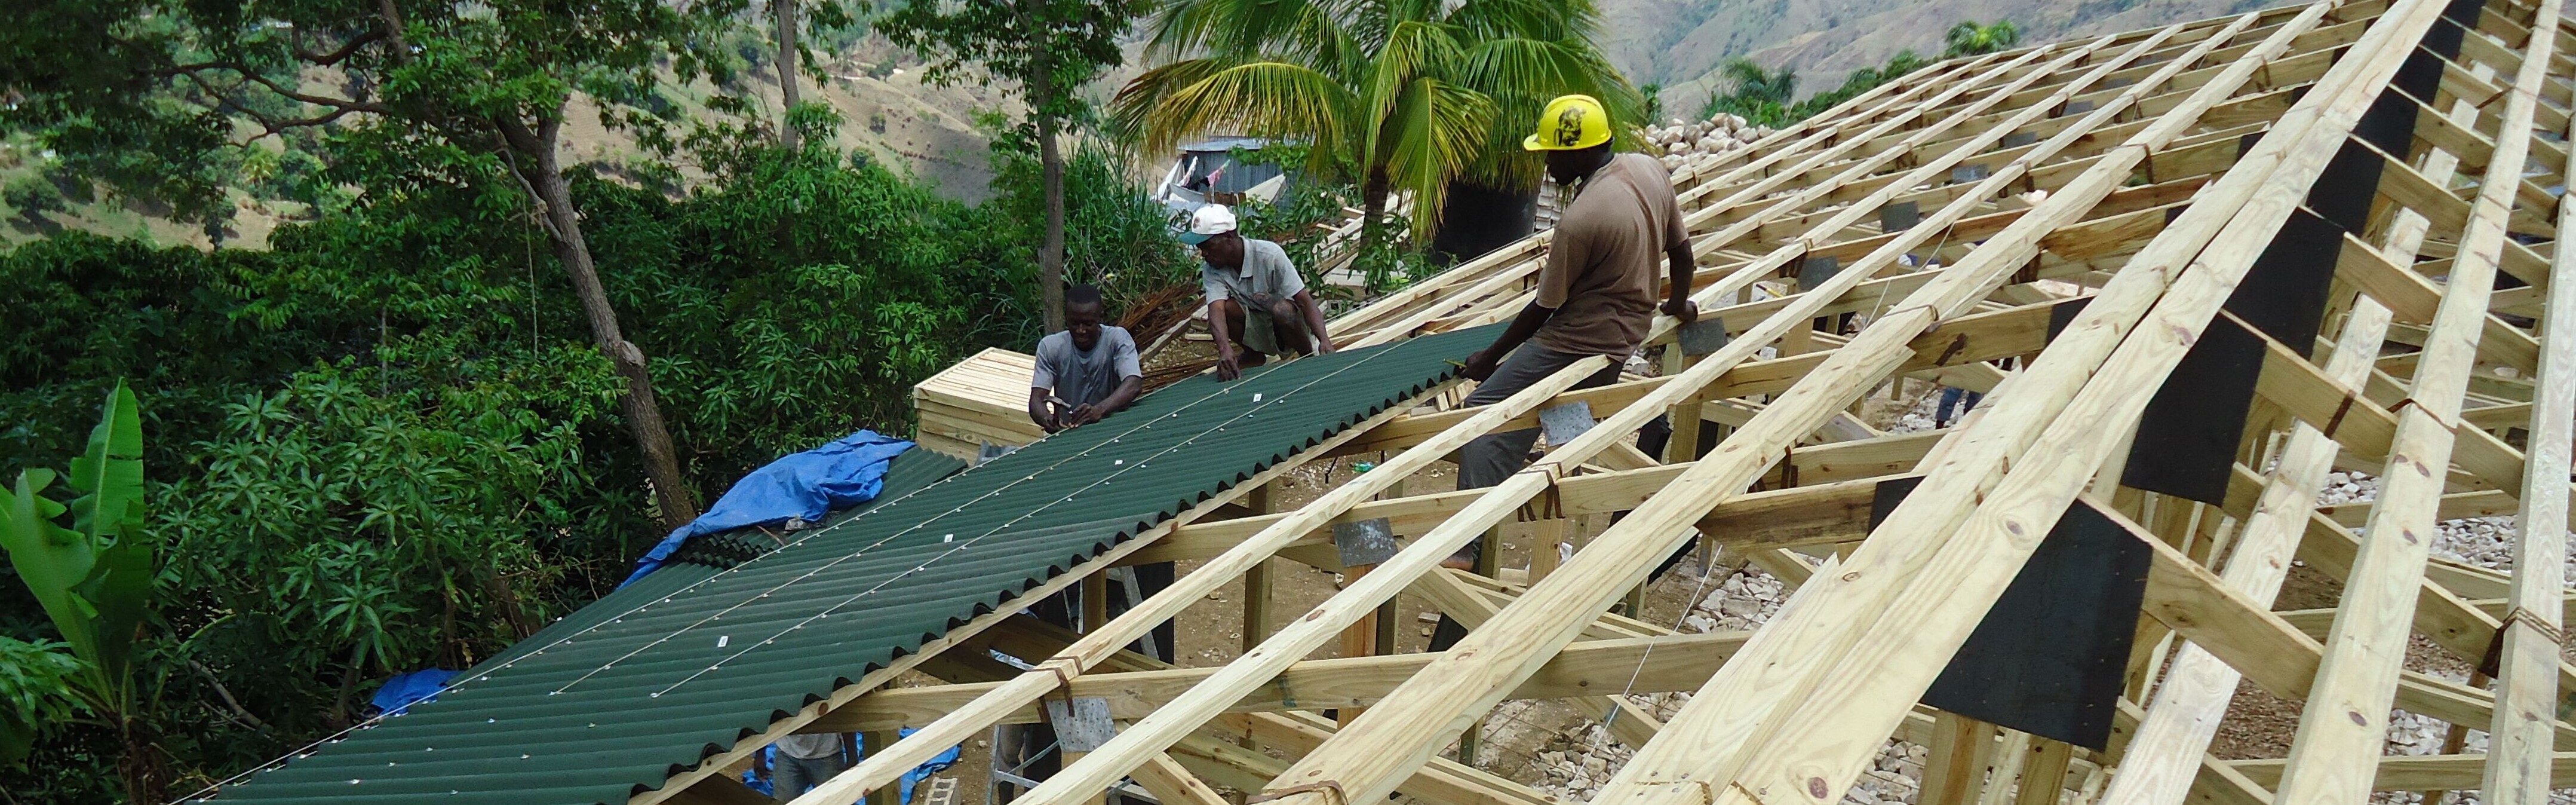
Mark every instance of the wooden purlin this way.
pixel 2153 205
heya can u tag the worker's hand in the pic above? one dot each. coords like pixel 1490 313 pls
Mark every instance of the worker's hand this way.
pixel 1323 346
pixel 1479 366
pixel 1682 309
pixel 1226 367
pixel 1084 415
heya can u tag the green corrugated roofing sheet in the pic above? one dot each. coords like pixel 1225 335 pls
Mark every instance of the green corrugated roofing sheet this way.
pixel 646 682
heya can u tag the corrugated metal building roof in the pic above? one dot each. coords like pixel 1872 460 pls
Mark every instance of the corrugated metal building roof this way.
pixel 648 681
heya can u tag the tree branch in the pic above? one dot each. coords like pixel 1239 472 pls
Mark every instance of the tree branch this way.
pixel 227 695
pixel 346 50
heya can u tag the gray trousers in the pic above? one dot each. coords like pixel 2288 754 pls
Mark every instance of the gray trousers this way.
pixel 791 775
pixel 1491 458
pixel 1494 457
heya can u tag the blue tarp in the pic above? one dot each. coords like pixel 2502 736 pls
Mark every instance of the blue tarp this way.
pixel 404 690
pixel 804 485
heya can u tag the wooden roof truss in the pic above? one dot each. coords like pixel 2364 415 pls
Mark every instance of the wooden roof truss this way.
pixel 2125 170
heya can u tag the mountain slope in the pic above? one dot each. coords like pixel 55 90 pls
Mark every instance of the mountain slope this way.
pixel 1680 43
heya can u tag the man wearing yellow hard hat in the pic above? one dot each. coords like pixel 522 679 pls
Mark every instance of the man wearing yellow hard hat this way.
pixel 1597 293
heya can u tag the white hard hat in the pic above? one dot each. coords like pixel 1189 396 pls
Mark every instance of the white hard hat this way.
pixel 1208 221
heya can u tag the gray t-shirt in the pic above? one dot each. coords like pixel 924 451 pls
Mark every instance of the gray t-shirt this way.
pixel 1083 378
pixel 1267 276
pixel 810 747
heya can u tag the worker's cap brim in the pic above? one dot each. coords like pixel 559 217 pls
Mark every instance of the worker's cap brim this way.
pixel 1193 238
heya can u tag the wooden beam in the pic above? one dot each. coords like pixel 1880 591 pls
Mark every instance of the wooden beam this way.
pixel 1657 664
pixel 2163 761
pixel 2527 688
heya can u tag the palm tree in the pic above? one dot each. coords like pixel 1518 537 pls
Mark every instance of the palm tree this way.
pixel 1398 94
pixel 1971 39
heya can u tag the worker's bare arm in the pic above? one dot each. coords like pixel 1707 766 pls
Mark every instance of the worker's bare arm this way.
pixel 1677 301
pixel 1117 401
pixel 1481 364
pixel 1040 412
pixel 1228 365
pixel 1314 315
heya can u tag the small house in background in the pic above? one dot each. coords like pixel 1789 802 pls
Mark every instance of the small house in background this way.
pixel 1212 172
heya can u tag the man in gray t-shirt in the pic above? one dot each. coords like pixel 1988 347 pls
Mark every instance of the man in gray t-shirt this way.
pixel 1257 305
pixel 1087 372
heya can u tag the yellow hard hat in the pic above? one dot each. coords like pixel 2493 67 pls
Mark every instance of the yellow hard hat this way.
pixel 1570 122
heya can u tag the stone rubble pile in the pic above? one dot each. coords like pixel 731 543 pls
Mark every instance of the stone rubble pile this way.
pixel 1576 765
pixel 1680 139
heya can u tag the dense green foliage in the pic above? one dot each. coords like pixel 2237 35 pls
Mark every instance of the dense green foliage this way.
pixel 91 567
pixel 1049 49
pixel 1971 39
pixel 1767 97
pixel 388 443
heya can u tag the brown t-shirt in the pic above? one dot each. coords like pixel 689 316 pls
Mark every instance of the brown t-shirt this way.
pixel 1602 265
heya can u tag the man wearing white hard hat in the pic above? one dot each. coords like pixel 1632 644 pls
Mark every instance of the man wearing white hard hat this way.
pixel 1257 305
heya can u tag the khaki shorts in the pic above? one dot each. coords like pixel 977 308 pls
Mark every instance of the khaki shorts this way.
pixel 1260 329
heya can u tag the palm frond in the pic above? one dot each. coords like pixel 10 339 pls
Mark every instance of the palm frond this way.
pixel 1528 19
pixel 1436 130
pixel 1414 49
pixel 1304 31
pixel 1131 110
pixel 1268 98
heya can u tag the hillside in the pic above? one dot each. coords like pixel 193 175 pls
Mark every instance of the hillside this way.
pixel 1679 43
pixel 924 130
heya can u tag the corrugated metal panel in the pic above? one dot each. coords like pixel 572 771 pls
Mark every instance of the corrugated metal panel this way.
pixel 647 682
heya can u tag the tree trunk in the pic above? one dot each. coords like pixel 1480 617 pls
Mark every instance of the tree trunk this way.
pixel 785 12
pixel 1373 194
pixel 140 766
pixel 536 165
pixel 1051 163
pixel 1051 255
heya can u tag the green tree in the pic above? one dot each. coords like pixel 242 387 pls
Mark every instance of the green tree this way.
pixel 32 196
pixel 1754 93
pixel 95 581
pixel 1750 82
pixel 1050 48
pixel 1971 39
pixel 1397 94
pixel 431 92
